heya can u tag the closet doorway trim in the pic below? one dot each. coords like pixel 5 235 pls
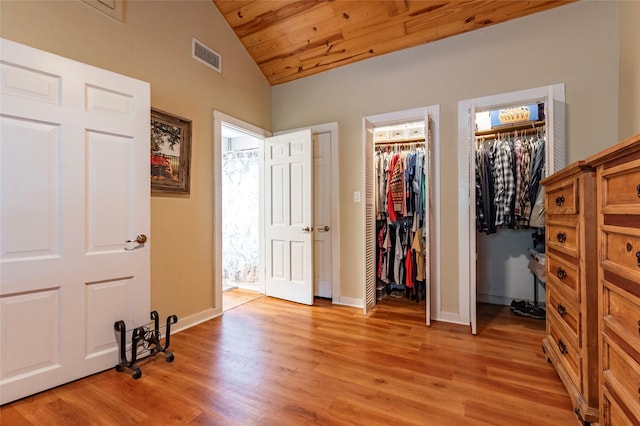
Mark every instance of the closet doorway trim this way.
pixel 220 119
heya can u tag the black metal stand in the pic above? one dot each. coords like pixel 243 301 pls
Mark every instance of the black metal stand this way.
pixel 538 238
pixel 146 337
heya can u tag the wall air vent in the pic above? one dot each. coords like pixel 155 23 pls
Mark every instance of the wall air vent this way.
pixel 206 55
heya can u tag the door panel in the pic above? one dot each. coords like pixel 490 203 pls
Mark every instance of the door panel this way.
pixel 288 221
pixel 38 313
pixel 369 222
pixel 74 181
pixel 109 188
pixel 30 153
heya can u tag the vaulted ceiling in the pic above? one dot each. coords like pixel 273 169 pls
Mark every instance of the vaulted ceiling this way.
pixel 295 39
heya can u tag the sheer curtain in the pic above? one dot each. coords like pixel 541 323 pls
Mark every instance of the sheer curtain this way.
pixel 240 218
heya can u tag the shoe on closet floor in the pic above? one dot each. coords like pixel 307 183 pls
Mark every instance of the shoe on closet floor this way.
pixel 531 311
pixel 517 304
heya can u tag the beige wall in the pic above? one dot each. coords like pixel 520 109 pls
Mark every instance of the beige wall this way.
pixel 575 44
pixel 629 103
pixel 154 45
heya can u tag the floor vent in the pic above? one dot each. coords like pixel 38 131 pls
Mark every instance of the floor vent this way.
pixel 206 55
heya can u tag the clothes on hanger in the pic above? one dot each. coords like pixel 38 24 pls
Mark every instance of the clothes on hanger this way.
pixel 400 206
pixel 508 173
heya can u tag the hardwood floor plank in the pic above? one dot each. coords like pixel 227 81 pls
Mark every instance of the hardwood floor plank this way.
pixel 271 362
pixel 237 297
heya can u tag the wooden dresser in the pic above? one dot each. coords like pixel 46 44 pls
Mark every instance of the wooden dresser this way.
pixel 618 205
pixel 571 342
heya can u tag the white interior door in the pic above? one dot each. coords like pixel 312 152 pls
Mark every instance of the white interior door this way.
pixel 322 206
pixel 289 216
pixel 369 221
pixel 74 181
pixel 428 216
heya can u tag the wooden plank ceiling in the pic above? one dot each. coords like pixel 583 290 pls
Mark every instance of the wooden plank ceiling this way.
pixel 290 40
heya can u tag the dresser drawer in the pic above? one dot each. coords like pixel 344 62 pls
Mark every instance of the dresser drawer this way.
pixel 613 414
pixel 621 309
pixel 566 353
pixel 621 373
pixel 564 274
pixel 562 198
pixel 621 250
pixel 563 236
pixel 565 312
pixel 621 188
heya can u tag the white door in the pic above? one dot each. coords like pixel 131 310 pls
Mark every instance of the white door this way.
pixel 369 221
pixel 429 229
pixel 74 185
pixel 289 216
pixel 322 206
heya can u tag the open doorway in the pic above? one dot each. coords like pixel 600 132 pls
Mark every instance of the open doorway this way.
pixel 240 216
pixel 402 138
pixel 470 241
pixel 234 138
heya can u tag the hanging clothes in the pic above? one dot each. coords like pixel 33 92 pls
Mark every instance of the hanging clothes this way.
pixel 485 206
pixel 400 206
pixel 537 168
pixel 504 181
pixel 508 174
pixel 395 192
pixel 400 183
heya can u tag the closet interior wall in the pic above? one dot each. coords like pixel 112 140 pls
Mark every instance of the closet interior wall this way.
pixel 400 188
pixel 504 241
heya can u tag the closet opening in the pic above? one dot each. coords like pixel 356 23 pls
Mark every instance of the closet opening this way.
pixel 509 208
pixel 399 168
pixel 401 218
pixel 240 156
pixel 500 261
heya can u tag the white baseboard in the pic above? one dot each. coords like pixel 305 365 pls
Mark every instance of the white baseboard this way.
pixel 192 320
pixel 502 300
pixel 349 301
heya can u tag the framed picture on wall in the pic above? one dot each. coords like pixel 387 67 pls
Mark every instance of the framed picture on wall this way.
pixel 170 153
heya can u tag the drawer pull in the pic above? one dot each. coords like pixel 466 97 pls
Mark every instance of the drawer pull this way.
pixel 562 310
pixel 562 347
pixel 560 198
pixel 561 273
pixel 562 237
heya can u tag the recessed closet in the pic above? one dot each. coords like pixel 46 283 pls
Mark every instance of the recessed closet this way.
pixel 509 207
pixel 498 268
pixel 399 167
pixel 399 207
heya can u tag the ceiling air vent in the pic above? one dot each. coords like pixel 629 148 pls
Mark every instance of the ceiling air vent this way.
pixel 206 55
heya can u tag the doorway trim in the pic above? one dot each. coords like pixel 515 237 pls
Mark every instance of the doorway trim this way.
pixel 554 97
pixel 220 118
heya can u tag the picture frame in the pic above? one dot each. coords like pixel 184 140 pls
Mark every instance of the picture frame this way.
pixel 170 154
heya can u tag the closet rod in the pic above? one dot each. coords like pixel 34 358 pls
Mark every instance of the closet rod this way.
pixel 510 128
pixel 401 142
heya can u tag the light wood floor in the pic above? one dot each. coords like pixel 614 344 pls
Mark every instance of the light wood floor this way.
pixel 236 297
pixel 270 362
